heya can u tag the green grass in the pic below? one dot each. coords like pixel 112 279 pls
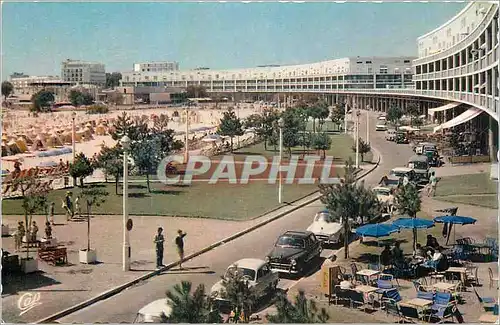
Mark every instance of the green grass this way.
pixel 221 201
pixel 474 189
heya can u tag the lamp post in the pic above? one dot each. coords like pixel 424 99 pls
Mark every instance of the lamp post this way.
pixel 125 142
pixel 73 135
pixel 281 125
pixel 357 138
pixel 345 118
pixel 186 149
pixel 367 124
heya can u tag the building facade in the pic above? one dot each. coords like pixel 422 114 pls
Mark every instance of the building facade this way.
pixel 23 83
pixel 83 72
pixel 346 73
pixel 156 67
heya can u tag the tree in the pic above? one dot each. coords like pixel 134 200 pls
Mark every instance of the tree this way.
pixel 190 307
pixel 302 311
pixel 113 79
pixel 34 200
pixel 321 141
pixel 230 126
pixel 7 89
pixel 394 114
pixel 338 115
pixel 364 148
pixel 147 156
pixel 238 292
pixel 81 168
pixel 111 161
pixel 369 205
pixel 124 125
pixel 408 201
pixel 269 119
pixel 322 112
pixel 291 129
pixel 42 100
pixel 92 197
pixel 341 200
pixel 78 98
pixel 196 91
pixel 414 111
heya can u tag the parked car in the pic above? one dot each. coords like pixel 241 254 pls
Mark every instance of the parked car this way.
pixel 152 312
pixel 401 138
pixel 326 229
pixel 260 278
pixel 389 181
pixel 385 197
pixel 422 147
pixel 420 164
pixel 381 126
pixel 382 117
pixel 390 135
pixel 293 251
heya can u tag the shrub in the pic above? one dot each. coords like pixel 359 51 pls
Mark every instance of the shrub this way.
pixel 97 109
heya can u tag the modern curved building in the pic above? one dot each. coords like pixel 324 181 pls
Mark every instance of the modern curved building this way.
pixel 454 78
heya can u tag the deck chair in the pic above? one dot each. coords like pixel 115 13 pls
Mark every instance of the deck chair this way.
pixel 357 298
pixel 409 314
pixel 488 303
pixel 427 295
pixel 383 285
pixel 443 307
pixel 390 296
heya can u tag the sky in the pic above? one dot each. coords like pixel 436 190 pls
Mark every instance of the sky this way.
pixel 37 36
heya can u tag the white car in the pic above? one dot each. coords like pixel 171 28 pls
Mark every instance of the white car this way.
pixel 382 118
pixel 390 135
pixel 258 273
pixel 381 126
pixel 385 197
pixel 152 312
pixel 326 229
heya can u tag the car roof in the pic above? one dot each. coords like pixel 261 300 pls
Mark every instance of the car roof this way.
pixel 402 169
pixel 381 188
pixel 156 308
pixel 250 263
pixel 323 211
pixel 418 158
pixel 301 234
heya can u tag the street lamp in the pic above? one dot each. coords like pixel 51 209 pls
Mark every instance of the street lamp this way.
pixel 125 142
pixel 73 135
pixel 357 138
pixel 186 149
pixel 281 125
pixel 345 118
pixel 367 123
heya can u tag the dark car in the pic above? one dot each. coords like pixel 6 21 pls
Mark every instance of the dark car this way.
pixel 293 251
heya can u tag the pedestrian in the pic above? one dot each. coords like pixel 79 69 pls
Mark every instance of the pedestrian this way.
pixel 159 241
pixel 33 232
pixel 22 231
pixel 52 210
pixel 179 242
pixel 18 240
pixel 77 207
pixel 433 183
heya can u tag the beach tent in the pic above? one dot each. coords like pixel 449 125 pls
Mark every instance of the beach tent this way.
pixel 21 144
pixel 5 149
pixel 100 130
pixel 53 141
pixel 13 148
pixel 39 143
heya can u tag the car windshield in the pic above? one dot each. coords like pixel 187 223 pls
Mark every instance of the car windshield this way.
pixel 398 173
pixel 288 241
pixel 323 216
pixel 382 191
pixel 418 165
pixel 246 272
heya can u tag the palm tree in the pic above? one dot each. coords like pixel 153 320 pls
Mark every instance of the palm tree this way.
pixel 190 307
pixel 239 293
pixel 341 200
pixel 301 311
pixel 408 201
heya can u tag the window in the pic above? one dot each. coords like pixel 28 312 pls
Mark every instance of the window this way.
pixel 383 69
pixel 359 62
pixel 368 62
pixel 263 271
pixel 406 61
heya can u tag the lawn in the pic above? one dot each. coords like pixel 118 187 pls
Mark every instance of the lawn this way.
pixel 474 189
pixel 221 201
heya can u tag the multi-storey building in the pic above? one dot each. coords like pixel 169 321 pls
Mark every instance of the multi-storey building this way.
pixel 22 83
pixel 156 67
pixel 346 73
pixel 83 72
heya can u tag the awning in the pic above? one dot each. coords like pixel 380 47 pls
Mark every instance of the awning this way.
pixel 462 118
pixel 442 108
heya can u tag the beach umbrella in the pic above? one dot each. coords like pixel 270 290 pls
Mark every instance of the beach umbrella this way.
pixel 413 223
pixel 377 230
pixel 455 220
pixel 48 164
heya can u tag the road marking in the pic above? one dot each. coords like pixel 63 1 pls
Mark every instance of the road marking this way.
pixel 28 301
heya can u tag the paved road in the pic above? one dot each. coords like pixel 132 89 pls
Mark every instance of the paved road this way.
pixel 207 268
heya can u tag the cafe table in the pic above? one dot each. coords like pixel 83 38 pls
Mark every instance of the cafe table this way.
pixel 418 302
pixel 444 286
pixel 368 274
pixel 366 290
pixel 488 318
pixel 460 270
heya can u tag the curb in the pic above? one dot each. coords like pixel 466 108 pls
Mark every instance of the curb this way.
pixel 118 289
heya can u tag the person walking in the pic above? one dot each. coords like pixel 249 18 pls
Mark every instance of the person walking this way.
pixel 52 212
pixel 18 239
pixel 159 241
pixel 433 183
pixel 179 242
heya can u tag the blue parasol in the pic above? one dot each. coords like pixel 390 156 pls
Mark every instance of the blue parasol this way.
pixel 455 220
pixel 377 230
pixel 413 223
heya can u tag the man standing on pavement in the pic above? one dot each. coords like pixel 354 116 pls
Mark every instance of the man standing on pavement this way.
pixel 179 242
pixel 159 241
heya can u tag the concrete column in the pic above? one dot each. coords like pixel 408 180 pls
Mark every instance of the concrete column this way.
pixel 491 144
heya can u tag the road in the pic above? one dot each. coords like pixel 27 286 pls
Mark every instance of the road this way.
pixel 207 268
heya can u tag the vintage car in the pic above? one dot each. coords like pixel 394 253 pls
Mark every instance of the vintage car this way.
pixel 389 181
pixel 401 138
pixel 385 197
pixel 404 171
pixel 326 229
pixel 422 147
pixel 154 312
pixel 420 164
pixel 293 251
pixel 381 126
pixel 260 278
pixel 390 135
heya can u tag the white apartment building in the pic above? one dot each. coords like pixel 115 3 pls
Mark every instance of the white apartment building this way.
pixel 23 83
pixel 83 72
pixel 156 66
pixel 345 73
